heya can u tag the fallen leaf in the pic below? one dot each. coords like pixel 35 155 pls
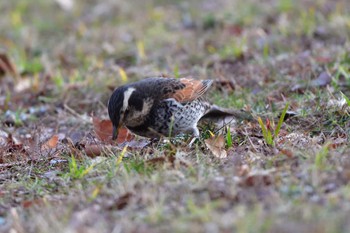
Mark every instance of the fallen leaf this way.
pixel 121 202
pixel 136 144
pixel 36 202
pixel 124 135
pixel 337 142
pixel 244 170
pixel 235 29
pixel 93 150
pixel 6 65
pixel 3 138
pixel 104 129
pixel 322 80
pixel 51 143
pixel 162 160
pixel 77 137
pixel 217 146
pixel 323 60
pixel 23 84
pixel 13 150
pixel 287 152
pixel 257 178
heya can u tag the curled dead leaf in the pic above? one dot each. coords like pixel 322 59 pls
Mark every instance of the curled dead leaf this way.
pixel 216 145
pixel 104 129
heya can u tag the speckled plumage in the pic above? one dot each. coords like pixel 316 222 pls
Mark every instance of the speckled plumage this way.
pixel 159 106
pixel 169 118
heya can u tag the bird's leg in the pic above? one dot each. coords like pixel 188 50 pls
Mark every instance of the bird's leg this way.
pixel 195 134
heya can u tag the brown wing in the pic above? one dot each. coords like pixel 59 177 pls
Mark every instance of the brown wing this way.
pixel 191 89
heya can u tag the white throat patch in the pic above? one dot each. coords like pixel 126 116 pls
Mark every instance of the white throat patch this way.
pixel 127 95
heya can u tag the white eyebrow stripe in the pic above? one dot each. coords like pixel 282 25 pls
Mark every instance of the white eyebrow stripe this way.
pixel 127 95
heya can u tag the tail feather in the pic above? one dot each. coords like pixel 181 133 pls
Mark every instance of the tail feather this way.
pixel 216 112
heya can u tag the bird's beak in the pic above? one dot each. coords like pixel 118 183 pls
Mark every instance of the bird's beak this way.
pixel 115 131
pixel 116 126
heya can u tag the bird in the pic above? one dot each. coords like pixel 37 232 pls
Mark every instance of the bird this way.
pixel 162 106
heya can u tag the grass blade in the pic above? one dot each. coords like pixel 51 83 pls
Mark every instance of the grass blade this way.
pixel 228 137
pixel 263 128
pixel 269 139
pixel 321 156
pixel 280 121
pixel 123 75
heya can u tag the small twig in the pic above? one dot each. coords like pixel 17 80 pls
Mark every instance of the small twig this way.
pixel 73 112
pixel 225 124
pixel 9 165
pixel 250 141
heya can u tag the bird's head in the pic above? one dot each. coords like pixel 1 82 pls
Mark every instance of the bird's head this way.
pixel 118 107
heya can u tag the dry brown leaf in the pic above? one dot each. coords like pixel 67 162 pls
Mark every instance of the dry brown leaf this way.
pixel 257 178
pixel 104 129
pixel 121 202
pixel 217 146
pixel 15 145
pixel 94 150
pixel 287 152
pixel 159 161
pixel 35 202
pixel 6 65
pixel 12 149
pixel 51 143
pixel 337 142
pixel 124 135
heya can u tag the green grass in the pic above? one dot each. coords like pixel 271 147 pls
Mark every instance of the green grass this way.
pixel 270 132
